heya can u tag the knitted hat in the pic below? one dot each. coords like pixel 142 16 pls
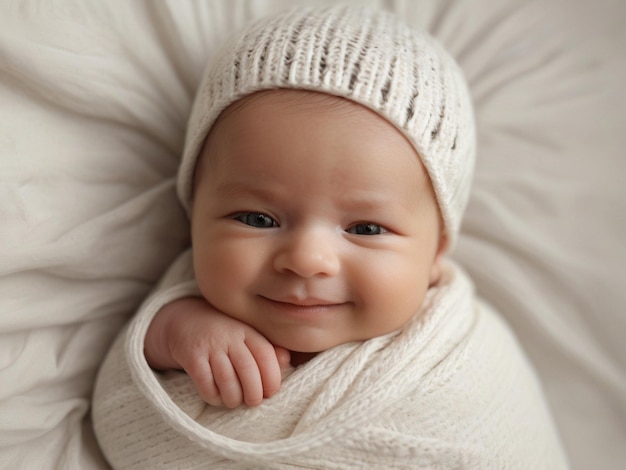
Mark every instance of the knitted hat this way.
pixel 362 55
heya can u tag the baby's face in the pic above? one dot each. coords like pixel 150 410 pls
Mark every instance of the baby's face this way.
pixel 313 221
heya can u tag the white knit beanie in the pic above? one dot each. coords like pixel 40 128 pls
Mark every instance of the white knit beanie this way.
pixel 362 55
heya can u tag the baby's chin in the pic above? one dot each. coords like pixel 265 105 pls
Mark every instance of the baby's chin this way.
pixel 309 345
pixel 311 342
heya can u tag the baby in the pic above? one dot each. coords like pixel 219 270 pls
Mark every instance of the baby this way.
pixel 327 165
pixel 314 224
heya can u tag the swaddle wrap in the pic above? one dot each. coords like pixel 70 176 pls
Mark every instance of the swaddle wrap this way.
pixel 449 390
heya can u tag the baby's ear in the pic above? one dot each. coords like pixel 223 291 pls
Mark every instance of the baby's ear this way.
pixel 435 270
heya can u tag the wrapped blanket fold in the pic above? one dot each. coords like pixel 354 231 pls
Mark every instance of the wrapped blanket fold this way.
pixel 450 390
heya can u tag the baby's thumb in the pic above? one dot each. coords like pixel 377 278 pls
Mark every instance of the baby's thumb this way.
pixel 284 356
pixel 284 361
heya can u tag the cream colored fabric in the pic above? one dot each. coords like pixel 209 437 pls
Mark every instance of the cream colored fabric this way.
pixel 451 390
pixel 94 98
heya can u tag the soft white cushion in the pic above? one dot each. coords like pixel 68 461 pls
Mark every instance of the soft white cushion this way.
pixel 94 98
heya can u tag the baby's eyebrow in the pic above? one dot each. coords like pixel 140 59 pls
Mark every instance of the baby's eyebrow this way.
pixel 237 189
pixel 376 203
pixel 366 203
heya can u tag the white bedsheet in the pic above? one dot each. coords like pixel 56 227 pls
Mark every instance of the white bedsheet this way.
pixel 93 102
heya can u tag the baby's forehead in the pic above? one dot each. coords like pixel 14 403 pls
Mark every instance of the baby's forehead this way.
pixel 302 106
pixel 271 120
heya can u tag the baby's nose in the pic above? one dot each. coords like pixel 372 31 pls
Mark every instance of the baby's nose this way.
pixel 309 253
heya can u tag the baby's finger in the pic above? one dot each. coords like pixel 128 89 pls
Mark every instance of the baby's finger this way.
pixel 249 376
pixel 200 373
pixel 226 380
pixel 284 361
pixel 267 364
pixel 284 357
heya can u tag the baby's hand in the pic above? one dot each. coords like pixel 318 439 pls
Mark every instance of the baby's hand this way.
pixel 229 361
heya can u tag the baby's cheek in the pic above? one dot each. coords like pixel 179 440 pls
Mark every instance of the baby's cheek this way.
pixel 209 273
pixel 397 297
pixel 224 276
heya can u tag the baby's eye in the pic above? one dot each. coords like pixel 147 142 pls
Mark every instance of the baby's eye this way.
pixel 366 229
pixel 256 219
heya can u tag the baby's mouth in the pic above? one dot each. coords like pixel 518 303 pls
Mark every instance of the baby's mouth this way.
pixel 308 304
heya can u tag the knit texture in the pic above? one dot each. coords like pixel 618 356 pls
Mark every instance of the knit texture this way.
pixel 365 56
pixel 450 390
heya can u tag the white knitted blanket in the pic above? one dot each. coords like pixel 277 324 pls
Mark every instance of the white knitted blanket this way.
pixel 451 390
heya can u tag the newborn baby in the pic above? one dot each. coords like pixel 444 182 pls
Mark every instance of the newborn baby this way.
pixel 316 321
